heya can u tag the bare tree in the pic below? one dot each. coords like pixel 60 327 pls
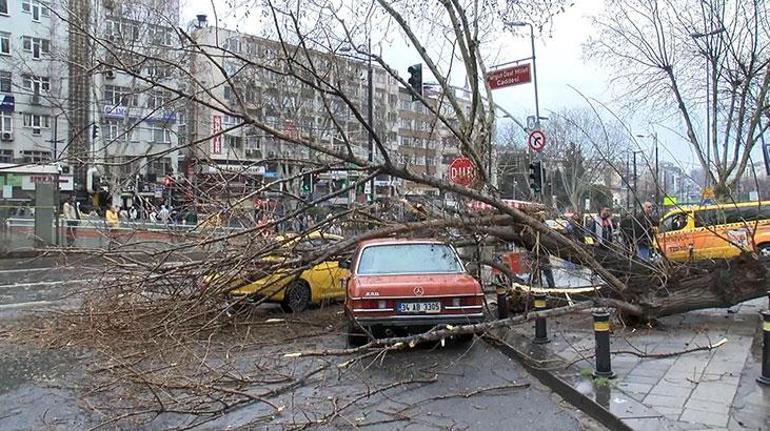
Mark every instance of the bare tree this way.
pixel 657 49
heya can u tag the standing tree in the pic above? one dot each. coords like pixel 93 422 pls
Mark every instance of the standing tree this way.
pixel 658 48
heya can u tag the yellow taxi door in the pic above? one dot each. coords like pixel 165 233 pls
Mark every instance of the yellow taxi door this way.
pixel 676 237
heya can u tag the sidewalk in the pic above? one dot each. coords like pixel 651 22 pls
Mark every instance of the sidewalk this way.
pixel 713 389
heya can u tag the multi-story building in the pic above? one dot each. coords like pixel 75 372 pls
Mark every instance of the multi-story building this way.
pixel 134 106
pixel 33 92
pixel 244 75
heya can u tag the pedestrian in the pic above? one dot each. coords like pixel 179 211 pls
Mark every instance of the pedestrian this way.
pixel 163 214
pixel 71 212
pixel 133 213
pixel 644 229
pixel 153 216
pixel 111 222
pixel 123 214
pixel 603 228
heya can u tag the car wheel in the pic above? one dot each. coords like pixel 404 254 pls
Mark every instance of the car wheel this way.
pixel 356 337
pixel 296 297
pixel 764 250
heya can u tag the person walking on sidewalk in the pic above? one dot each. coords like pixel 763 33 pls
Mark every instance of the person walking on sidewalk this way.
pixel 603 228
pixel 644 231
pixel 71 212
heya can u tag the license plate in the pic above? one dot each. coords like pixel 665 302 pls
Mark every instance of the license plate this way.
pixel 419 307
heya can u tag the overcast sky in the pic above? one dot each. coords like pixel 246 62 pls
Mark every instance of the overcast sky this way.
pixel 560 64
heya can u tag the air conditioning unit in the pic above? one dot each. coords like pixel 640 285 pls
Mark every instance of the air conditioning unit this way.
pixel 271 154
pixel 6 136
pixel 111 38
pixel 109 74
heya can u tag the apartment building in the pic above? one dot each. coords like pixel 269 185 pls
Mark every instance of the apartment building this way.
pixel 263 89
pixel 33 91
pixel 134 108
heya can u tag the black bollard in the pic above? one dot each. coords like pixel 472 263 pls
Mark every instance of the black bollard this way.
pixel 765 377
pixel 502 303
pixel 602 340
pixel 541 332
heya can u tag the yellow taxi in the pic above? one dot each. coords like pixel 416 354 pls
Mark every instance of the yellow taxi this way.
pixel 719 231
pixel 321 282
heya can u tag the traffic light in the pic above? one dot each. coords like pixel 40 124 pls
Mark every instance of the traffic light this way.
pixel 93 180
pixel 94 131
pixel 536 176
pixel 415 80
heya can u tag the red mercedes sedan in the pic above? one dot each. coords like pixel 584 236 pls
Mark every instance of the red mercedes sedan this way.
pixel 398 287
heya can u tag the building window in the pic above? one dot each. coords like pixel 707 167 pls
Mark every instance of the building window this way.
pixel 5 81
pixel 36 8
pixel 119 96
pixel 36 46
pixel 4 7
pixel 160 166
pixel 35 156
pixel 6 156
pixel 36 122
pixel 35 83
pixel 5 43
pixel 160 134
pixel 157 99
pixel 6 122
pixel 406 124
pixel 160 36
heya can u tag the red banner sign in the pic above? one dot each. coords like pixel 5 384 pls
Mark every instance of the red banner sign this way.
pixel 216 138
pixel 509 76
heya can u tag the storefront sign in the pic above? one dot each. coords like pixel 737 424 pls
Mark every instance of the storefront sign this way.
pixel 216 137
pixel 7 103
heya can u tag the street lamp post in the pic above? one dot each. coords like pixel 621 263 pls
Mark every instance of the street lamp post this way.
pixel 370 108
pixel 534 66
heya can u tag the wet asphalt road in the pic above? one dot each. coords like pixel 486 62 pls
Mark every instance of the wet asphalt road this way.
pixel 39 387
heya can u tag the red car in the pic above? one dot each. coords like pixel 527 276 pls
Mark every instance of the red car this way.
pixel 407 286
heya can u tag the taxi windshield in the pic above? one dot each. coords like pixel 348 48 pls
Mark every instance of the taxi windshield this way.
pixel 408 259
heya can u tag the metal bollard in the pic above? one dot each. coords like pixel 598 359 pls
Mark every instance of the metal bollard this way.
pixel 602 340
pixel 765 377
pixel 502 303
pixel 541 332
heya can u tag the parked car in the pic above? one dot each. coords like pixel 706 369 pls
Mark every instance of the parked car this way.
pixel 296 293
pixel 718 231
pixel 408 286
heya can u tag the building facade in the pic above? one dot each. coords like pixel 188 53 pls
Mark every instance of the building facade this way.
pixel 33 91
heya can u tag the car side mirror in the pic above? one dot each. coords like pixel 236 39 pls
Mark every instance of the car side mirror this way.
pixel 344 263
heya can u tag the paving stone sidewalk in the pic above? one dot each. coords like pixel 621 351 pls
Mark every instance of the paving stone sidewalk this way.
pixel 713 389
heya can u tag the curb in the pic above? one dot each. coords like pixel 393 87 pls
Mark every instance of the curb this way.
pixel 561 387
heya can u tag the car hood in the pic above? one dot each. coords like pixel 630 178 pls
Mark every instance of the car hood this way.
pixel 404 285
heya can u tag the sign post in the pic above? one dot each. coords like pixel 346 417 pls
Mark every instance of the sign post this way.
pixel 462 172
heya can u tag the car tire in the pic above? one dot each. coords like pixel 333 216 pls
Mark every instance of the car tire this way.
pixel 296 297
pixel 764 250
pixel 356 336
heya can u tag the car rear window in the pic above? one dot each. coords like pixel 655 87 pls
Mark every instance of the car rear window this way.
pixel 408 259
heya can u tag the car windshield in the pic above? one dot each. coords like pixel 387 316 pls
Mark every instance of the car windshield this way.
pixel 408 259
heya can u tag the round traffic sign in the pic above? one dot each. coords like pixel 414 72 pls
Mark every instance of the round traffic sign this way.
pixel 462 172
pixel 536 140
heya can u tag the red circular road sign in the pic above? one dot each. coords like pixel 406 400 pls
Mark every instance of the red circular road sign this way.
pixel 462 172
pixel 536 140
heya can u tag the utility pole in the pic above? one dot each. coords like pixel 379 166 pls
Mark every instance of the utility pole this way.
pixel 657 173
pixel 636 189
pixel 370 111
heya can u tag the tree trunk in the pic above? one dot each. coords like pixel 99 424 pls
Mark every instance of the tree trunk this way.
pixel 667 288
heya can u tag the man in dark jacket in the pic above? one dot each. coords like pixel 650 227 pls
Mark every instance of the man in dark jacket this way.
pixel 645 231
